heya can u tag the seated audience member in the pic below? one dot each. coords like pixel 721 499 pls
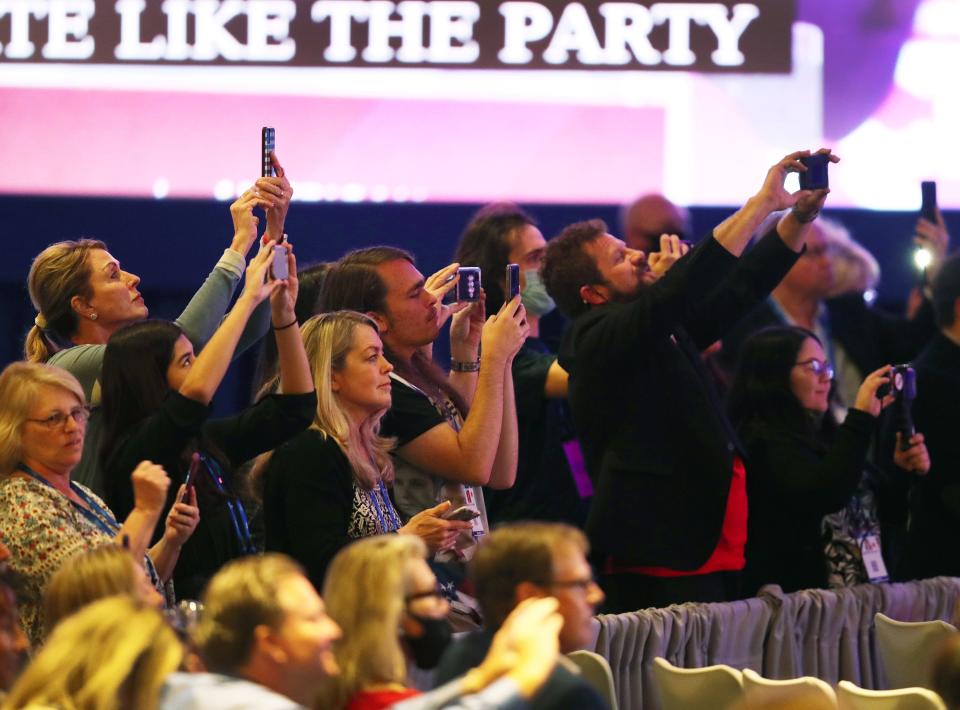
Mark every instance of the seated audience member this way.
pixel 945 673
pixel 524 561
pixel 803 467
pixel 45 517
pixel 113 653
pixel 648 218
pixel 442 452
pixel 94 574
pixel 545 488
pixel 668 518
pixel 386 600
pixel 14 645
pixel 268 642
pixel 858 338
pixel 328 485
pixel 935 500
pixel 82 297
pixel 310 286
pixel 156 400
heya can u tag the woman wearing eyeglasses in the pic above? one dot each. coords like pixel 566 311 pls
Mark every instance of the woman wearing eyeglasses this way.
pixel 45 517
pixel 156 404
pixel 802 466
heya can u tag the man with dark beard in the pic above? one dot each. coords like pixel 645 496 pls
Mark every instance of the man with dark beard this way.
pixel 668 522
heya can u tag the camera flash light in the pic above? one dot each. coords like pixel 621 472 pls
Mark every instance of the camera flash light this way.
pixel 922 258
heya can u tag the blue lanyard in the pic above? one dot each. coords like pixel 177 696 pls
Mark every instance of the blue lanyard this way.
pixel 237 514
pixel 97 515
pixel 389 506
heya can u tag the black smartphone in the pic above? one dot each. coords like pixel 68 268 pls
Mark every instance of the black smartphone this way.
pixel 513 281
pixel 268 142
pixel 928 208
pixel 468 287
pixel 815 178
pixel 903 385
pixel 191 477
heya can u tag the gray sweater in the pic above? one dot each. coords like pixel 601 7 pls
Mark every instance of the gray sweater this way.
pixel 198 322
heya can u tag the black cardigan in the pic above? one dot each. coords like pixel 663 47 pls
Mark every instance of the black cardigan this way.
pixel 792 483
pixel 308 500
pixel 163 438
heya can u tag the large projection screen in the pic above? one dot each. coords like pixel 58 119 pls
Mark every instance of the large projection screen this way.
pixel 456 101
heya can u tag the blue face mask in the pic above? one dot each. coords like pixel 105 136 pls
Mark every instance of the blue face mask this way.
pixel 534 295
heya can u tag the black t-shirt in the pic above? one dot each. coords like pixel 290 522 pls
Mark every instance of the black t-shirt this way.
pixel 545 488
pixel 411 414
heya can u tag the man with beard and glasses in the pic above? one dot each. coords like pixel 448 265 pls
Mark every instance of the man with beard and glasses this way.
pixel 668 521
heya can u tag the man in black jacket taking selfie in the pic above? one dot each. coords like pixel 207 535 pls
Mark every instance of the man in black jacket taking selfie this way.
pixel 668 521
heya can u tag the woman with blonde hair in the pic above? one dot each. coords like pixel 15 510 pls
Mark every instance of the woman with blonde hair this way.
pixel 82 296
pixel 91 575
pixel 112 655
pixel 386 601
pixel 328 485
pixel 45 516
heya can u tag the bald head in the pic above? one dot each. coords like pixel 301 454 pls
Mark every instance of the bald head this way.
pixel 647 217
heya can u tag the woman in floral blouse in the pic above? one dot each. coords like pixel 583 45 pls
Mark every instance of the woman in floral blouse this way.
pixel 44 516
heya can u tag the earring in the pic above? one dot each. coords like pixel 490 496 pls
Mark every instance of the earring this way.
pixel 93 316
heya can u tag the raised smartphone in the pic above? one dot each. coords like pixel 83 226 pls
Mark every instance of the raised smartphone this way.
pixel 268 142
pixel 468 287
pixel 928 208
pixel 815 178
pixel 513 281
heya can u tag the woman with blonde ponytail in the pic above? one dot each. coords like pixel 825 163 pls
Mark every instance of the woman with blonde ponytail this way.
pixel 328 485
pixel 83 296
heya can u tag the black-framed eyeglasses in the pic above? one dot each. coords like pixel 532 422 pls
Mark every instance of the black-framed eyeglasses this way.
pixel 57 420
pixel 435 592
pixel 818 367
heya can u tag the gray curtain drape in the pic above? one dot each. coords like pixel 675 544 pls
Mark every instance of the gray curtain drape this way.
pixel 823 633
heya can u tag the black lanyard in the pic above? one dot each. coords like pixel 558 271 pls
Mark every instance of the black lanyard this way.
pixel 103 519
pixel 237 514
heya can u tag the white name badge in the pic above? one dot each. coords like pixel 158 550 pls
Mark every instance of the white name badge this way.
pixel 873 559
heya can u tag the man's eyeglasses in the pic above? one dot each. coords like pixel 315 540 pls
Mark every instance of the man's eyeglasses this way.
pixel 821 368
pixel 58 420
